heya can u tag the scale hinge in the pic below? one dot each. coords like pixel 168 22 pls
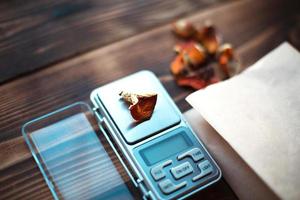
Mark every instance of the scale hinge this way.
pixel 147 195
pixel 97 114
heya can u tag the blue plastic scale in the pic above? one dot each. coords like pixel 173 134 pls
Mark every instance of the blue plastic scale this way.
pixel 162 156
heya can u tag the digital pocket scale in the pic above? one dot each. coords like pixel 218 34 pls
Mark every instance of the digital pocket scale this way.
pixel 162 156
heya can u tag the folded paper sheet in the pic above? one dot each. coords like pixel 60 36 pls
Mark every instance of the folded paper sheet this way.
pixel 258 114
pixel 234 169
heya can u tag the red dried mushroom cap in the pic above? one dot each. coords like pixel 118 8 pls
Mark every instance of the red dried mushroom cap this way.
pixel 141 105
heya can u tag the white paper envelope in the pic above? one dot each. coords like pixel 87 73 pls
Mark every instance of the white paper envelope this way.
pixel 258 114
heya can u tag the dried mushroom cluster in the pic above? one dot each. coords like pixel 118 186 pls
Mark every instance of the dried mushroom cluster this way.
pixel 141 105
pixel 193 65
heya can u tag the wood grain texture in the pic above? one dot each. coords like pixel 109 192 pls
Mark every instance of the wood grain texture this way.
pixel 73 80
pixel 254 28
pixel 34 34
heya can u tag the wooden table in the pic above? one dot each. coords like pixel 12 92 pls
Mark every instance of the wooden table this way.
pixel 54 53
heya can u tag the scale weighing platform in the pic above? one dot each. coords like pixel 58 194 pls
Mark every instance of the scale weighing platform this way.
pixel 162 156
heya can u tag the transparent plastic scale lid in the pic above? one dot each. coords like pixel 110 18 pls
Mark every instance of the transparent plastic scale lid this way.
pixel 74 156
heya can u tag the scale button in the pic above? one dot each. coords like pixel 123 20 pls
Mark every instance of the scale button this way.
pixel 167 186
pixel 157 171
pixel 205 168
pixel 195 153
pixel 182 170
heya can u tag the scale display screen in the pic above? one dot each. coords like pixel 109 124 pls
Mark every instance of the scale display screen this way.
pixel 165 148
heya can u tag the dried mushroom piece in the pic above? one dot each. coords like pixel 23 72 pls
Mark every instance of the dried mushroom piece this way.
pixel 141 105
pixel 227 61
pixel 190 56
pixel 208 36
pixel 199 79
pixel 183 28
pixel 178 48
pixel 129 97
pixel 191 81
pixel 177 66
pixel 196 54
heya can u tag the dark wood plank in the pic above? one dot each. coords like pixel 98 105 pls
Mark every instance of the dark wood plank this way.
pixel 36 94
pixel 34 34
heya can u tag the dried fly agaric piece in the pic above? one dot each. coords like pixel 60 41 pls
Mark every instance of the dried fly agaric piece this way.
pixel 178 48
pixel 141 105
pixel 194 50
pixel 196 54
pixel 191 81
pixel 196 82
pixel 226 60
pixel 209 38
pixel 177 66
pixel 183 28
pixel 190 55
